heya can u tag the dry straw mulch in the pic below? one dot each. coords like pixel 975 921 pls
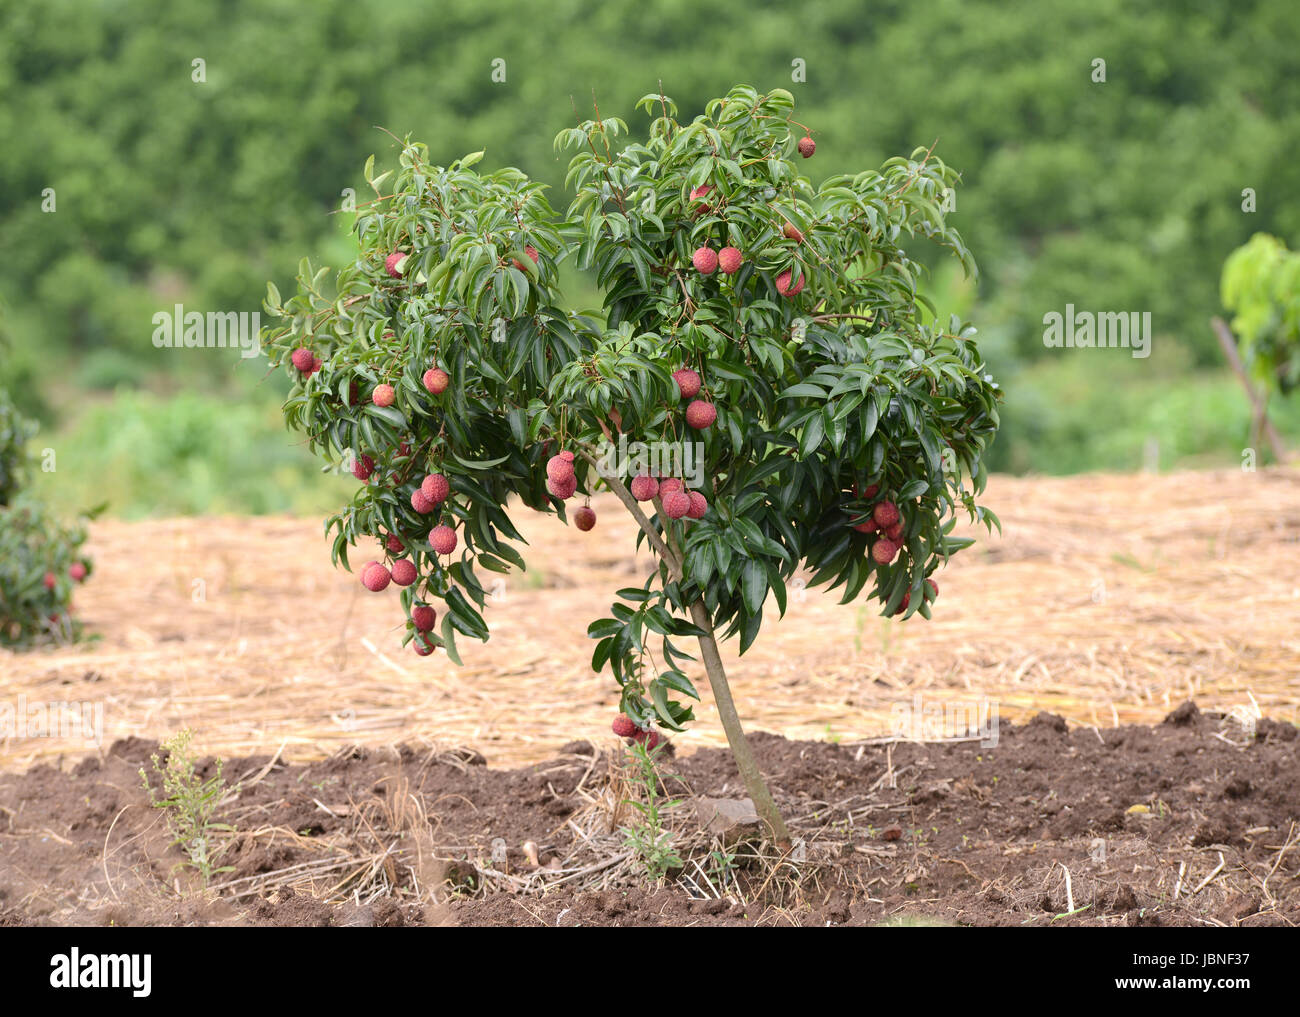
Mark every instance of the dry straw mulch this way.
pixel 1108 599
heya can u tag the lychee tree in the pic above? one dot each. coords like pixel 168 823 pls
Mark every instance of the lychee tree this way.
pixel 770 324
pixel 41 559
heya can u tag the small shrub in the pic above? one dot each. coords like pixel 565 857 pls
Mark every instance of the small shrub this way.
pixel 189 803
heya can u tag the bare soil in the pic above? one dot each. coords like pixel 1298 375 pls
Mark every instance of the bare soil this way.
pixel 1188 822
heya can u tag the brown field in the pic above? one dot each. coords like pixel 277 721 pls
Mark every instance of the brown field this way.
pixel 1107 600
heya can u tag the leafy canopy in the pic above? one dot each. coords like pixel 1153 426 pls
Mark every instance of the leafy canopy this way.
pixel 822 391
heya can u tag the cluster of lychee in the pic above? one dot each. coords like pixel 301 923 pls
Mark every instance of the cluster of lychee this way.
pixel 562 483
pixel 887 520
pixel 700 413
pixel 376 576
pixel 625 727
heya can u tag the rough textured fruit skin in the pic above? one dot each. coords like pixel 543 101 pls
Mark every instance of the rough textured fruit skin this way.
pixel 650 739
pixel 529 250
pixel 584 518
pixel 688 382
pixel 623 726
pixel 403 572
pixel 643 488
pixel 362 467
pixel 729 260
pixel 871 491
pixel 792 232
pixel 783 286
pixel 670 484
pixel 699 505
pixel 442 539
pixel 436 380
pixel 394 544
pixel 383 395
pixel 886 514
pixel 563 488
pixel 567 456
pixel 436 488
pixel 700 414
pixel 423 618
pixel 77 571
pixel 867 527
pixel 676 504
pixel 807 147
pixel 374 577
pixel 559 469
pixel 895 533
pixel 303 358
pixel 421 503
pixel 884 551
pixel 316 365
pixel 705 260
pixel 394 264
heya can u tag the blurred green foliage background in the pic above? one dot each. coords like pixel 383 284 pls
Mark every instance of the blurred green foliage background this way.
pixel 1122 195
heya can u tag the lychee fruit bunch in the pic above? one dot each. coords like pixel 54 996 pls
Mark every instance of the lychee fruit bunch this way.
pixel 442 539
pixel 643 487
pixel 705 260
pixel 688 382
pixel 730 260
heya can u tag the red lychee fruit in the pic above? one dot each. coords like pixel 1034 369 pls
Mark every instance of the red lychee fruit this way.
pixel 886 513
pixel 394 544
pixel 705 260
pixel 884 551
pixel 867 527
pixel 676 504
pixel 422 646
pixel 907 599
pixel 51 580
pixel 792 232
pixel 563 489
pixel 699 505
pixel 643 488
pixel 421 503
pixel 436 488
pixel 688 382
pixel 394 264
pixel 374 577
pixel 650 739
pixel 383 395
pixel 623 726
pixel 784 287
pixel 316 365
pixel 442 539
pixel 303 358
pixel 584 518
pixel 436 380
pixel 701 414
pixel 699 192
pixel 669 485
pixel 729 260
pixel 567 456
pixel 362 467
pixel 77 571
pixel 934 588
pixel 529 250
pixel 404 572
pixel 895 532
pixel 423 617
pixel 559 469
pixel 871 491
pixel 807 147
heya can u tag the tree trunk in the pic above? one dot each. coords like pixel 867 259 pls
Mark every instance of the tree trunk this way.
pixel 1260 416
pixel 745 760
